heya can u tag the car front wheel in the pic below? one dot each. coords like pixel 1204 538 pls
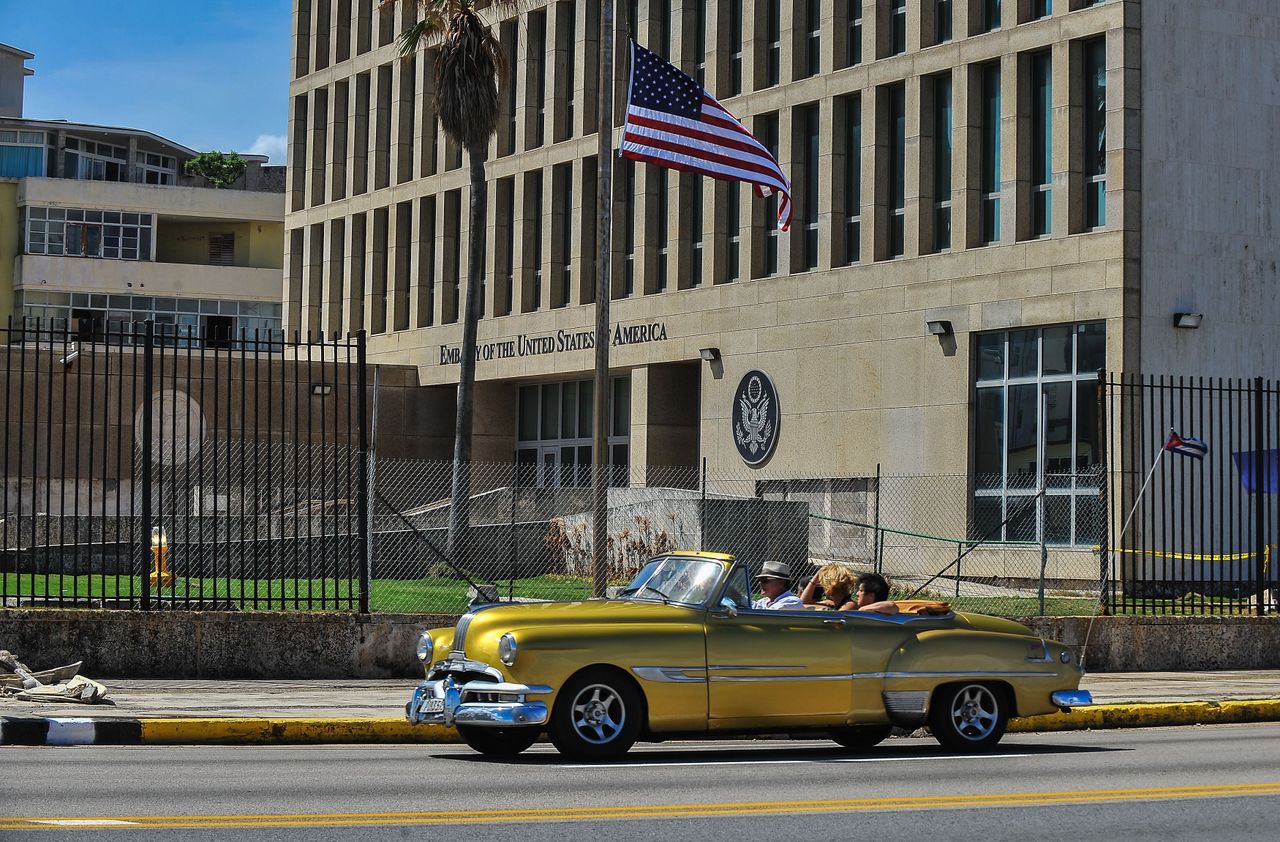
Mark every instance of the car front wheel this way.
pixel 597 714
pixel 861 737
pixel 498 742
pixel 968 717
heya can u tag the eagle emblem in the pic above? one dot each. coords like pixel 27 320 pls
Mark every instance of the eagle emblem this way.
pixel 755 418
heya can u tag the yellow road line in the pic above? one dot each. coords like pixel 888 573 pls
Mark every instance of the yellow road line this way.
pixel 568 814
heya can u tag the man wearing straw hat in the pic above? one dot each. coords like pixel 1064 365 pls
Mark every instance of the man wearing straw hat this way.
pixel 775 581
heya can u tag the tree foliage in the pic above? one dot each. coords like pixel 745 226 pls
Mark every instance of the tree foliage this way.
pixel 221 169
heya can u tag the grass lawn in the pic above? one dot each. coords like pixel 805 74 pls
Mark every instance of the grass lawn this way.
pixel 449 596
pixel 434 595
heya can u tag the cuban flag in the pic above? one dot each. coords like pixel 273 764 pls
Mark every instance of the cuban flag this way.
pixel 1187 446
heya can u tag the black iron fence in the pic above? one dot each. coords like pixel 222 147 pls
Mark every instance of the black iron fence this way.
pixel 1193 535
pixel 152 466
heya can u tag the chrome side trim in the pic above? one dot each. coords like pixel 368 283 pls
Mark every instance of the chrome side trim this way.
pixel 969 674
pixel 751 667
pixel 843 677
pixel 1071 698
pixel 677 675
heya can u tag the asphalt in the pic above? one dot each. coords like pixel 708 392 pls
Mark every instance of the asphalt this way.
pixel 1216 783
pixel 320 711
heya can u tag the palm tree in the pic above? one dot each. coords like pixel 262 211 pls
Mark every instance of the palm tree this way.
pixel 470 67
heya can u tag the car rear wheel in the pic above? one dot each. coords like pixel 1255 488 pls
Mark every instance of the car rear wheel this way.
pixel 597 714
pixel 498 742
pixel 861 737
pixel 968 717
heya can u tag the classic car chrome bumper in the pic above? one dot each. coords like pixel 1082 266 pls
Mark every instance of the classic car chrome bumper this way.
pixel 1066 699
pixel 483 703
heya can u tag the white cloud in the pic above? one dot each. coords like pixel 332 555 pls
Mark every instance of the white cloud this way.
pixel 271 145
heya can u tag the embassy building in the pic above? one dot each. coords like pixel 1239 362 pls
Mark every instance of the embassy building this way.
pixel 993 202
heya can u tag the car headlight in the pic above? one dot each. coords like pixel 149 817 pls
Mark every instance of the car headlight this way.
pixel 425 647
pixel 1065 657
pixel 507 649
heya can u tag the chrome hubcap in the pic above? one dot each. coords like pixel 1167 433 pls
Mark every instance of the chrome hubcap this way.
pixel 975 712
pixel 598 713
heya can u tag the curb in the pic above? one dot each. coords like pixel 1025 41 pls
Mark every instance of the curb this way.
pixel 71 731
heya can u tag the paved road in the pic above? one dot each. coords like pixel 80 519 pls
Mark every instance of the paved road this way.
pixel 1219 782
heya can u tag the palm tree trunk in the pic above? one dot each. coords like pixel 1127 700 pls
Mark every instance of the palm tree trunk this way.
pixel 460 510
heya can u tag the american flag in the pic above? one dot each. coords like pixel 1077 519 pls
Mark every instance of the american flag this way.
pixel 672 122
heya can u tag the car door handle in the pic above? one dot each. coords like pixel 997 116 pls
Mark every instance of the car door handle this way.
pixel 834 621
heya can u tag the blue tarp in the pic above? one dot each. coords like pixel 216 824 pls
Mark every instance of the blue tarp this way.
pixel 1246 464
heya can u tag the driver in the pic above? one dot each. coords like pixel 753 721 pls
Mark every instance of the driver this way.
pixel 775 580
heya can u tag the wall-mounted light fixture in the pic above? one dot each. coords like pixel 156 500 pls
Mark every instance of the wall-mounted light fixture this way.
pixel 709 354
pixel 1190 321
pixel 321 389
pixel 938 327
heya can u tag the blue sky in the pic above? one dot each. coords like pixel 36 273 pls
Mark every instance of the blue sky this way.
pixel 209 75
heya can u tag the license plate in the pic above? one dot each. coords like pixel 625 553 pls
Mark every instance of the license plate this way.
pixel 432 706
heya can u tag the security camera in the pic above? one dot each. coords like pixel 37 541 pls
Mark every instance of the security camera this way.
pixel 71 357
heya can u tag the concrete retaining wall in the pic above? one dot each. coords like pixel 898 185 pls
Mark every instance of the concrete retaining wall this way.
pixel 173 644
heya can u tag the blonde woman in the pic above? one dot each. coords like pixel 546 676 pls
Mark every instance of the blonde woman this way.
pixel 838 584
pixel 845 591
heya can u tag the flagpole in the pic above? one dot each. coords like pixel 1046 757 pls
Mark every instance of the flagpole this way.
pixel 604 216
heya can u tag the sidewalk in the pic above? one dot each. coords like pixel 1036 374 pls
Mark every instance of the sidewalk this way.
pixel 169 698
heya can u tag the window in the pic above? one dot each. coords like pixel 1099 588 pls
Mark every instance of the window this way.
pixel 852 178
pixel 661 198
pixel 700 44
pixel 21 154
pixel 813 38
pixel 565 292
pixel 1035 426
pixel 735 47
pixel 807 119
pixel 538 74
pixel 773 42
pixel 661 9
pixel 941 162
pixel 554 432
pixel 898 28
pixel 897 152
pixel 222 249
pixel 694 192
pixel 1041 8
pixel 942 21
pixel 75 232
pixel 853 45
pixel 179 321
pixel 1095 133
pixel 156 169
pixel 533 185
pixel 990 15
pixel 989 169
pixel 767 134
pixel 570 11
pixel 733 215
pixel 1041 143
pixel 86 160
pixel 629 225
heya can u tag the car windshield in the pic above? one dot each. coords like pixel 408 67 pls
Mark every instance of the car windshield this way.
pixel 688 581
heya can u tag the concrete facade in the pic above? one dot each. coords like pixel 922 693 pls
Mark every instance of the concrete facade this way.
pixel 377 221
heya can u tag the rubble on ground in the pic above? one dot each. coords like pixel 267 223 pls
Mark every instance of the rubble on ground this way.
pixel 61 684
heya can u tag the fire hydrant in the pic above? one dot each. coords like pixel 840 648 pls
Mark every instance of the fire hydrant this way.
pixel 160 574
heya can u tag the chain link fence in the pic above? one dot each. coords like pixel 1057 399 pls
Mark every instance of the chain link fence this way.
pixel 531 533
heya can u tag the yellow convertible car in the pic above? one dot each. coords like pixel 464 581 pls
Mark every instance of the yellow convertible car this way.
pixel 680 653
